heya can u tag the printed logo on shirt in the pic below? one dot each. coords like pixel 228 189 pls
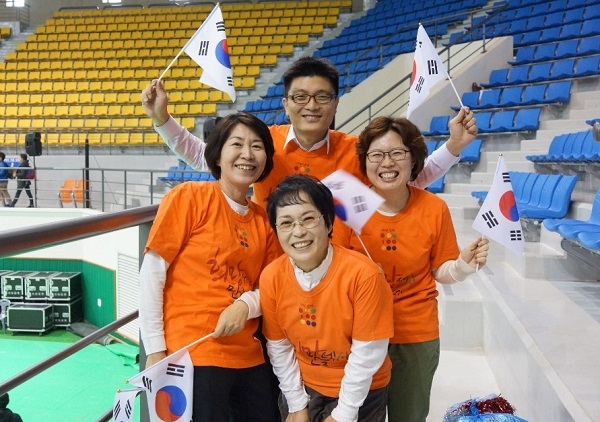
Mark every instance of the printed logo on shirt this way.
pixel 302 168
pixel 231 274
pixel 322 357
pixel 388 239
pixel 399 282
pixel 242 236
pixel 308 315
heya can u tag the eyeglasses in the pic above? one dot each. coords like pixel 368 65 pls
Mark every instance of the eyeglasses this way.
pixel 307 223
pixel 395 154
pixel 303 99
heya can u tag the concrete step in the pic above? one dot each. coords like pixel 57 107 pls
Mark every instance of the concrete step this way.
pixel 513 165
pixel 464 189
pixel 566 125
pixel 535 146
pixel 492 156
pixel 458 200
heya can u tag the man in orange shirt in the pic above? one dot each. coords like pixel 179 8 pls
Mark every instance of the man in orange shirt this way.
pixel 308 145
pixel 327 313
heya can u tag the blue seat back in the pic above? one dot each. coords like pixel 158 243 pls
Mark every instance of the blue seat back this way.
pixel 472 152
pixel 502 121
pixel 518 75
pixel 528 119
pixel 534 94
pixel 559 92
pixel 511 96
pixel 563 69
pixel 490 98
pixel 540 72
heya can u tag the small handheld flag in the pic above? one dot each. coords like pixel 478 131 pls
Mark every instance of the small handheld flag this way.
pixel 428 70
pixel 498 218
pixel 354 202
pixel 208 48
pixel 124 405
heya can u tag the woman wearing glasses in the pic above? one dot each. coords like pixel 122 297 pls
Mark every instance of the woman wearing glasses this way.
pixel 327 313
pixel 207 246
pixel 412 238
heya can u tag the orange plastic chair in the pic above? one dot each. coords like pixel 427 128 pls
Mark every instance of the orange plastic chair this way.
pixel 65 194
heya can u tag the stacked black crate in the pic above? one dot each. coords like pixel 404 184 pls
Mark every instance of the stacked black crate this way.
pixel 34 314
pixel 12 285
pixel 65 294
pixel 3 273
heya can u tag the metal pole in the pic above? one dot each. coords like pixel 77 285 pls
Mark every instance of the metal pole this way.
pixel 86 174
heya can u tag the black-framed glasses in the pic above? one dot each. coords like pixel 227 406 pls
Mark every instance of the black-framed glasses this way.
pixel 303 99
pixel 307 222
pixel 378 156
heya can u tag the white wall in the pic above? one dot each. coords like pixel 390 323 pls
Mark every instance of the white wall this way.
pixel 100 250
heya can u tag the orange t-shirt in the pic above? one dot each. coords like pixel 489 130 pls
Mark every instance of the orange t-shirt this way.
pixel 294 160
pixel 215 255
pixel 352 301
pixel 409 246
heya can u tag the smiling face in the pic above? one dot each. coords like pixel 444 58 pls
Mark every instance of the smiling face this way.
pixel 242 160
pixel 306 247
pixel 389 175
pixel 311 121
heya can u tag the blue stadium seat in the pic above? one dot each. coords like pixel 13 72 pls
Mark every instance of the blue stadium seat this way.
pixel 470 99
pixel 437 186
pixel 490 98
pixel 592 11
pixel 438 126
pixel 590 45
pixel 472 152
pixel 431 146
pixel 524 55
pixel 550 34
pixel 572 147
pixel 550 197
pixel 511 96
pixel 590 240
pixel 558 92
pixel 566 49
pixel 171 174
pixel 554 19
pixel 545 52
pixel 587 66
pixel 535 22
pixel 502 121
pixel 562 69
pixel 555 150
pixel 527 119
pixel 571 30
pixel 498 77
pixel 539 72
pixel 518 75
pixel 534 94
pixel 573 15
pixel 483 121
pixel 590 27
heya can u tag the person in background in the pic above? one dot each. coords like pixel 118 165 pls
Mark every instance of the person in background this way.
pixel 308 145
pixel 23 183
pixel 207 247
pixel 412 238
pixel 327 313
pixel 4 176
pixel 7 415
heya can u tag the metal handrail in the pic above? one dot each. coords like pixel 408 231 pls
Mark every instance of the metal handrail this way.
pixel 45 235
pixel 18 241
pixel 32 371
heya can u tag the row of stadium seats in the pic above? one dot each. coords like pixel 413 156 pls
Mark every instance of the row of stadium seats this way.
pixel 570 149
pixel 525 119
pixel 517 96
pixel 557 50
pixel 539 196
pixel 585 232
pixel 94 138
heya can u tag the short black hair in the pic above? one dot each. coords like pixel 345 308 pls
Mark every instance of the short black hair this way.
pixel 288 192
pixel 221 132
pixel 311 66
pixel 2 156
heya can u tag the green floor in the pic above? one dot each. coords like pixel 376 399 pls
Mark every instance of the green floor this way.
pixel 79 388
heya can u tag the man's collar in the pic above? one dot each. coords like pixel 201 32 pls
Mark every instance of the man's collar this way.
pixel 291 136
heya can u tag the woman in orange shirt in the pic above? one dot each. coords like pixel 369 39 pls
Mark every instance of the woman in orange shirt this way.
pixel 327 313
pixel 208 246
pixel 412 238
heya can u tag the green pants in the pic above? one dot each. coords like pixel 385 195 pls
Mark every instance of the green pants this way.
pixel 413 367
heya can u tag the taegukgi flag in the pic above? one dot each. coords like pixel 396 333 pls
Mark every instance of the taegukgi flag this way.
pixel 168 385
pixel 208 48
pixel 498 218
pixel 427 71
pixel 124 405
pixel 354 202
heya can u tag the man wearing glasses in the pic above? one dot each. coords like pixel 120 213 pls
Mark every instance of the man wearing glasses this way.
pixel 307 146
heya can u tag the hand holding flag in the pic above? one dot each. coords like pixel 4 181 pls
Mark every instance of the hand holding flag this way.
pixel 428 70
pixel 208 48
pixel 498 218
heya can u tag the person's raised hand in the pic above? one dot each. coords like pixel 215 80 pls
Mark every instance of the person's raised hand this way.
pixel 155 102
pixel 476 253
pixel 463 129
